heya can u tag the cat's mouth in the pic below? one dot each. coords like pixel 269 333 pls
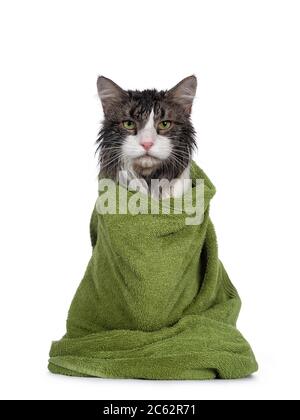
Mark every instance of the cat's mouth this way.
pixel 146 164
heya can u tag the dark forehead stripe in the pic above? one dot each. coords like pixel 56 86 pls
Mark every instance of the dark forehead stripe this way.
pixel 142 103
pixel 159 110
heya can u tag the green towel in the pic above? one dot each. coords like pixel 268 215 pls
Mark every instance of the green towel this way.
pixel 155 302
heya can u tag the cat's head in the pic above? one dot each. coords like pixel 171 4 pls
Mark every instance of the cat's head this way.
pixel 148 132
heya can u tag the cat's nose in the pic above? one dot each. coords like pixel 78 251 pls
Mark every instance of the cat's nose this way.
pixel 147 144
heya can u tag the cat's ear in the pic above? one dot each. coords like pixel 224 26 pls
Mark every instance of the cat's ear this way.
pixel 184 92
pixel 109 93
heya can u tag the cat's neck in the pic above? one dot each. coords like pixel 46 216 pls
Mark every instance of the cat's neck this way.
pixel 175 187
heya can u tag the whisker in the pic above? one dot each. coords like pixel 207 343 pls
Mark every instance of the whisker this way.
pixel 110 162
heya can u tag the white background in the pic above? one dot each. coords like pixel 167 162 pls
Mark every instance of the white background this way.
pixel 246 57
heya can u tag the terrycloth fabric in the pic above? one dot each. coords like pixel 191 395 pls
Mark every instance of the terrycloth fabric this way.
pixel 155 302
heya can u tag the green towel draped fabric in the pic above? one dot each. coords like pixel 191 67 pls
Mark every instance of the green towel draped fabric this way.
pixel 155 302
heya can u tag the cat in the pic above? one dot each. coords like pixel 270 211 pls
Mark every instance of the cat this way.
pixel 147 134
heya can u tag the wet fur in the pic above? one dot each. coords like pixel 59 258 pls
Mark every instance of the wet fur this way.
pixel 137 106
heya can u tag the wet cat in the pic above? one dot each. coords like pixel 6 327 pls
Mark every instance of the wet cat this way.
pixel 147 134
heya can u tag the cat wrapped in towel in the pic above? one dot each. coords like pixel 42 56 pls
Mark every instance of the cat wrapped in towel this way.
pixel 155 301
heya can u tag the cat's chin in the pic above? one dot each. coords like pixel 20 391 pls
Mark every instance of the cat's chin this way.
pixel 145 165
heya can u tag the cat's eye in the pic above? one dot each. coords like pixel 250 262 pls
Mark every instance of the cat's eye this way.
pixel 164 125
pixel 129 125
